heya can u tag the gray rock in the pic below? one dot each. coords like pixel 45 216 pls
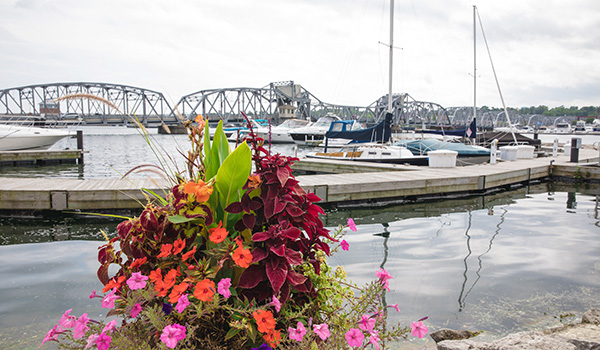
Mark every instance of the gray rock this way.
pixel 592 316
pixel 449 334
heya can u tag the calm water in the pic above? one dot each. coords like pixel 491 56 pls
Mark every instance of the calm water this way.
pixel 503 263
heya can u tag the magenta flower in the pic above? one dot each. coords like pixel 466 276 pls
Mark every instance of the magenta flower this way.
pixel 276 303
pixel 91 341
pixel 355 337
pixel 374 339
pixel 67 321
pixel 418 329
pixel 322 330
pixel 137 281
pixel 52 334
pixel 384 277
pixel 344 245
pixel 81 326
pixel 297 333
pixel 109 299
pixel 366 323
pixel 182 303
pixel 135 310
pixel 395 306
pixel 110 326
pixel 223 287
pixel 103 341
pixel 94 295
pixel 172 334
pixel 351 224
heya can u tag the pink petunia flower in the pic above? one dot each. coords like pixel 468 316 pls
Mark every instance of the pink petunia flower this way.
pixel 109 299
pixel 418 329
pixel 384 278
pixel 276 303
pixel 223 287
pixel 344 245
pixel 172 334
pixel 374 339
pixel 81 326
pixel 322 330
pixel 351 224
pixel 52 334
pixel 366 323
pixel 91 341
pixel 182 303
pixel 135 310
pixel 110 326
pixel 395 306
pixel 67 321
pixel 137 281
pixel 94 295
pixel 297 333
pixel 103 341
pixel 354 337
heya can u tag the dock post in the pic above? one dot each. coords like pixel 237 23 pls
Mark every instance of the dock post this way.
pixel 493 151
pixel 555 148
pixel 575 146
pixel 80 145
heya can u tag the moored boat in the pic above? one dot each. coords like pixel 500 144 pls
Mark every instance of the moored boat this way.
pixel 20 137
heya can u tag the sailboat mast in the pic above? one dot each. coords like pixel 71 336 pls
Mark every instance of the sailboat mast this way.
pixel 474 63
pixel 391 54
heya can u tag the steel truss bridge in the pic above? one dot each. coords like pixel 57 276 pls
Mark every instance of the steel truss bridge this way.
pixel 102 103
pixel 92 103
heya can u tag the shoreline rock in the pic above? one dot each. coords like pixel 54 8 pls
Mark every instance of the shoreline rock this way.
pixel 579 336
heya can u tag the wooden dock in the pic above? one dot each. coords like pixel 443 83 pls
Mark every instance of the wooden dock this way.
pixel 15 158
pixel 384 183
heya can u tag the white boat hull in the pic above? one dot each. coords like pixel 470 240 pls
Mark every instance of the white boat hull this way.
pixel 19 138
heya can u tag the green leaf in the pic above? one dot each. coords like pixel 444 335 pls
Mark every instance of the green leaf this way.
pixel 161 199
pixel 206 147
pixel 233 174
pixel 179 219
pixel 232 333
pixel 219 150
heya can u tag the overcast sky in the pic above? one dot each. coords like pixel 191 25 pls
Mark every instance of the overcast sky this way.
pixel 545 52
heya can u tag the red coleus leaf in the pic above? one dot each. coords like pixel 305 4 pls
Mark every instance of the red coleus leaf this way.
pixel 279 205
pixel 295 278
pixel 283 174
pixel 292 233
pixel 259 254
pixel 249 220
pixel 234 208
pixel 279 250
pixel 148 220
pixel 103 273
pixel 276 272
pixel 252 276
pixel 293 257
pixel 261 236
pixel 294 210
pixel 312 197
pixel 255 204
pixel 124 228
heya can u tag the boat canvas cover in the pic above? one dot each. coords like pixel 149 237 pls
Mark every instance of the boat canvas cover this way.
pixel 426 145
pixel 380 132
pixel 470 132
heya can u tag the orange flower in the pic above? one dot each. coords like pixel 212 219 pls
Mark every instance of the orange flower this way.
pixel 161 288
pixel 155 276
pixel 138 263
pixel 218 234
pixel 253 182
pixel 165 250
pixel 264 321
pixel 204 290
pixel 273 338
pixel 178 246
pixel 242 257
pixel 177 291
pixel 170 277
pixel 200 121
pixel 201 190
pixel 187 255
pixel 114 284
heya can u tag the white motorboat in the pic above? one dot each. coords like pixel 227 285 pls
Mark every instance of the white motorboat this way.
pixel 281 132
pixel 313 134
pixel 373 153
pixel 22 137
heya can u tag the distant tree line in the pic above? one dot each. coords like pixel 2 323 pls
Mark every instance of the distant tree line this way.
pixel 588 111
